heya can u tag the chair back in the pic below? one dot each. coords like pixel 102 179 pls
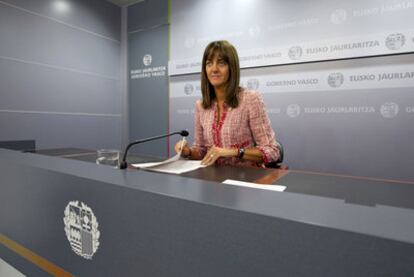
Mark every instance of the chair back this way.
pixel 278 163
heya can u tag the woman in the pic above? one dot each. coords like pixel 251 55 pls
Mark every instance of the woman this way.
pixel 231 124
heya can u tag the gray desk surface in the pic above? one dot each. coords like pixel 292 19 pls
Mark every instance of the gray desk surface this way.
pixel 351 189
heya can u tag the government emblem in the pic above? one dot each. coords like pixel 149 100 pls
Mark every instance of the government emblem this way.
pixel 81 228
pixel 389 109
pixel 188 89
pixel 336 79
pixel 395 41
pixel 253 84
pixel 295 52
pixel 147 60
pixel 293 110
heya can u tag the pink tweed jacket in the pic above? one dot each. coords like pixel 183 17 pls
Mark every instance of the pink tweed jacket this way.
pixel 245 126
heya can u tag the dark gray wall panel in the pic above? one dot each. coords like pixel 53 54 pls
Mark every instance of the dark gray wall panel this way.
pixel 100 17
pixel 38 88
pixel 148 96
pixel 37 39
pixel 147 14
pixel 60 73
pixel 62 130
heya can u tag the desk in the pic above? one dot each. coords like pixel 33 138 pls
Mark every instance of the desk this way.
pixel 351 189
pixel 154 224
pixel 218 174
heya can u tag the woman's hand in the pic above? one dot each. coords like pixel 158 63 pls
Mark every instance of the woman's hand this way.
pixel 216 152
pixel 182 146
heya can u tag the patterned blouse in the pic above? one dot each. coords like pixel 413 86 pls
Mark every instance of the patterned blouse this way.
pixel 245 126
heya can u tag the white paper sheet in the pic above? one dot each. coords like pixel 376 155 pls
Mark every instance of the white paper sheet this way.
pixel 153 164
pixel 174 165
pixel 177 167
pixel 254 185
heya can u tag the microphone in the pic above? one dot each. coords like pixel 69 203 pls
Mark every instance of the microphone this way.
pixel 123 164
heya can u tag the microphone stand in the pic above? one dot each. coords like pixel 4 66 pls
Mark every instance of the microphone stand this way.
pixel 123 164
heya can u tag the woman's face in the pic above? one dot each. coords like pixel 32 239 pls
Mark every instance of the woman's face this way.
pixel 217 72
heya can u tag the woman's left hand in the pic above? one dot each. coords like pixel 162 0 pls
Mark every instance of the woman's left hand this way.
pixel 216 152
pixel 212 155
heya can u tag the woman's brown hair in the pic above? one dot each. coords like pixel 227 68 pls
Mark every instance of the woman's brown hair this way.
pixel 226 51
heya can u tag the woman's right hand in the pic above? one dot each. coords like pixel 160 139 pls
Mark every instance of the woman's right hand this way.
pixel 185 152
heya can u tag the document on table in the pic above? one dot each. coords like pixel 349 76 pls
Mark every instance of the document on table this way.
pixel 254 185
pixel 173 165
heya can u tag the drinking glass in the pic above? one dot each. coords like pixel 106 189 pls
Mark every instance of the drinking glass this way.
pixel 108 157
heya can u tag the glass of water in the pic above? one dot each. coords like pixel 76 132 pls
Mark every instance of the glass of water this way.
pixel 108 157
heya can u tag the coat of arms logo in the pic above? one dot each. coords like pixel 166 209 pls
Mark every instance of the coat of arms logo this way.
pixel 81 228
